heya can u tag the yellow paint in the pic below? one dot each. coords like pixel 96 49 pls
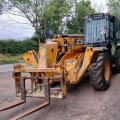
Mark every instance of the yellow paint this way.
pixel 30 58
pixel 68 64
pixel 51 54
pixel 107 70
pixel 42 57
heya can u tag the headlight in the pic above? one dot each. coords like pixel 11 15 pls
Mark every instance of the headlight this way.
pixel 78 42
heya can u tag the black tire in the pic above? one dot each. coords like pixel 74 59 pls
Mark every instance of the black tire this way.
pixel 99 78
pixel 118 62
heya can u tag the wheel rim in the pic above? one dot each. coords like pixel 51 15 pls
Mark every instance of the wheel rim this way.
pixel 107 70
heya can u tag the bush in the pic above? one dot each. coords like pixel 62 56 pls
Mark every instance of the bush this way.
pixel 13 47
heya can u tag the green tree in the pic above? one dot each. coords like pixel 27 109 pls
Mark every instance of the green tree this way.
pixel 32 10
pixel 43 15
pixel 58 16
pixel 114 7
pixel 55 14
pixel 76 22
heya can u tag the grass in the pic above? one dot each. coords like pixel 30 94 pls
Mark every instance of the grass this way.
pixel 7 59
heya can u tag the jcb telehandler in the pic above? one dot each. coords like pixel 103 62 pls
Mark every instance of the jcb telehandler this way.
pixel 65 60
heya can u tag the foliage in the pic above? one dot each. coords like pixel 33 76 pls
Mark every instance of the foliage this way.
pixel 114 7
pixel 56 16
pixel 76 23
pixel 55 13
pixel 13 47
pixel 43 15
pixel 32 10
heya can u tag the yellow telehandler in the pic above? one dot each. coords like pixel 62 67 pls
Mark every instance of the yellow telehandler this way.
pixel 65 59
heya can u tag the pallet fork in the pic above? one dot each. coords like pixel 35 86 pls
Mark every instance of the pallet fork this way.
pixel 23 98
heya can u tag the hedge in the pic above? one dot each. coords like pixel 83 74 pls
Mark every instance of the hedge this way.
pixel 13 47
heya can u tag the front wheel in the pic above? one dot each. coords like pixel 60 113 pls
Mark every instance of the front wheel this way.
pixel 118 61
pixel 100 72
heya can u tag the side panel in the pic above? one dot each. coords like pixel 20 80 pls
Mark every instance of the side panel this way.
pixel 42 56
pixel 30 58
pixel 51 54
pixel 48 54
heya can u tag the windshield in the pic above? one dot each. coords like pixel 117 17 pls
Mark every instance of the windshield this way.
pixel 96 30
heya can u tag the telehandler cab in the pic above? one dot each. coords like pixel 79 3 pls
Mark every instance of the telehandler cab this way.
pixel 65 60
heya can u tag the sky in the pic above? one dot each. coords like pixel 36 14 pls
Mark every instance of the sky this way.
pixel 100 5
pixel 11 27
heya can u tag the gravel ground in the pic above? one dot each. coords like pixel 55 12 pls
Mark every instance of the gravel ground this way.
pixel 82 103
pixel 6 68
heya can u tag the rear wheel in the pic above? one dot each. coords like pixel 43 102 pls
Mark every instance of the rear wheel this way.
pixel 100 72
